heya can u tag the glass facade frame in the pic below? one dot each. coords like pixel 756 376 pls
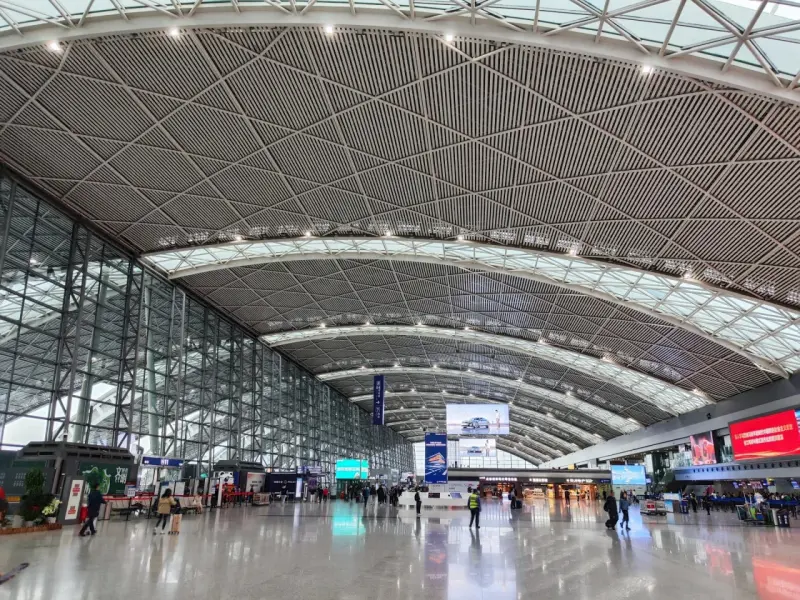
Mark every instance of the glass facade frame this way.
pixel 97 348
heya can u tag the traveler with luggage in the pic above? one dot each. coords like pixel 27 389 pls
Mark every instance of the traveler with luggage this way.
pixel 624 505
pixel 165 504
pixel 610 507
pixel 94 502
pixel 474 505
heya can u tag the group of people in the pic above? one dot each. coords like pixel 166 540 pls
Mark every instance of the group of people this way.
pixel 321 494
pixel 610 506
pixel 383 495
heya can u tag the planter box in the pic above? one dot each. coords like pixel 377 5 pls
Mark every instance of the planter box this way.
pixel 34 529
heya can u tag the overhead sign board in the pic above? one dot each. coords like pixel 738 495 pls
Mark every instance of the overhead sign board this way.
pixel 768 436
pixel 159 461
pixel 628 475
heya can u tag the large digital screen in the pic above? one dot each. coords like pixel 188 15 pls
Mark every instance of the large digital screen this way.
pixel 703 449
pixel 435 458
pixel 478 447
pixel 628 475
pixel 769 436
pixel 477 419
pixel 352 468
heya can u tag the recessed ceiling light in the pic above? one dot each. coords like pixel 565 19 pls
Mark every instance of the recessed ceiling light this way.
pixel 419 323
pixel 329 29
pixel 174 32
pixel 308 234
pixel 396 365
pixel 367 323
pixel 413 391
pixel 54 46
pixel 322 324
pixel 466 328
pixel 646 69
pixel 435 366
pixel 33 261
pixel 449 37
pixel 460 238
pixel 237 238
pixel 387 233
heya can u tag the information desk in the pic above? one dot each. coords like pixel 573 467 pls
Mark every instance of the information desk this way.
pixel 441 500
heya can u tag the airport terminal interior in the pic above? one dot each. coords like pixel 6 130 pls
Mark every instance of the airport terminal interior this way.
pixel 381 299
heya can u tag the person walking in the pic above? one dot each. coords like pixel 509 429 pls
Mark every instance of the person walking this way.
pixel 693 500
pixel 94 501
pixel 624 506
pixel 566 496
pixel 610 507
pixel 418 501
pixel 165 504
pixel 366 495
pixel 474 505
pixel 381 494
pixel 284 493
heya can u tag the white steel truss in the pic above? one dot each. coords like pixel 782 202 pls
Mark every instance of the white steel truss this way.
pixel 666 396
pixel 539 418
pixel 765 333
pixel 752 35
pixel 616 422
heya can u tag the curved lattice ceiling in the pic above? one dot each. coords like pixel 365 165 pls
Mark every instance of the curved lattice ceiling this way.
pixel 641 222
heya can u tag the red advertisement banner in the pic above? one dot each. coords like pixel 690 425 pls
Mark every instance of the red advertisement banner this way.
pixel 766 437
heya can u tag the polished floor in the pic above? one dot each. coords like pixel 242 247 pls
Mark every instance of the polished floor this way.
pixel 342 551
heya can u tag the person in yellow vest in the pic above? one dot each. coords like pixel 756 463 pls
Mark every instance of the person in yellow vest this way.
pixel 474 504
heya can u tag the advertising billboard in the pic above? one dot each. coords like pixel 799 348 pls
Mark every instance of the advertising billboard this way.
pixel 703 449
pixel 477 419
pixel 435 458
pixel 768 436
pixel 628 475
pixel 352 468
pixel 479 447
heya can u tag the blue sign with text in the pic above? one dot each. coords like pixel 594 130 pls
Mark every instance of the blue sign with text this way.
pixel 158 461
pixel 378 391
pixel 435 458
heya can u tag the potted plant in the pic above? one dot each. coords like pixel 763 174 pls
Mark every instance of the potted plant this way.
pixel 34 500
pixel 50 511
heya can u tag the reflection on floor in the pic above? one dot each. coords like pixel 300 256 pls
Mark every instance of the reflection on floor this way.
pixel 342 551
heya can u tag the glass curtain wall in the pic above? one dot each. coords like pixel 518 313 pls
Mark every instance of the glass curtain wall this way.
pixel 96 349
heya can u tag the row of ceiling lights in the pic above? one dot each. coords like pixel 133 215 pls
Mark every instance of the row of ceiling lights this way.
pixel 175 32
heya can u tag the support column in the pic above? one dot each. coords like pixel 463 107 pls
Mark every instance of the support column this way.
pixel 84 403
pixel 150 375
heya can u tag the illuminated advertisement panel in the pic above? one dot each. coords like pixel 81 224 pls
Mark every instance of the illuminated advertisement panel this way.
pixel 477 419
pixel 768 436
pixel 478 447
pixel 703 449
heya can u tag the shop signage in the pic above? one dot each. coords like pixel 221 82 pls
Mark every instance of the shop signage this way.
pixel 766 437
pixel 537 479
pixel 111 477
pixel 157 461
pixel 500 479
pixel 378 389
pixel 580 480
pixel 74 500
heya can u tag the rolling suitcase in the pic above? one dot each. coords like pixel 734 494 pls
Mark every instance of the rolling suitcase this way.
pixel 175 523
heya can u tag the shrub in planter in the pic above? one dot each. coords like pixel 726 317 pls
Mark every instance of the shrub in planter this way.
pixel 34 500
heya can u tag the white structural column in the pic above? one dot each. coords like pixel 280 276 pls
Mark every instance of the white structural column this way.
pixel 617 422
pixel 766 334
pixel 667 397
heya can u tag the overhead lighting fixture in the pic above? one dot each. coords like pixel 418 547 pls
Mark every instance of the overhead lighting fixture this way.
pixel 33 261
pixel 308 234
pixel 396 366
pixel 329 29
pixel 646 69
pixel 322 324
pixel 419 323
pixel 54 46
pixel 413 391
pixel 449 37
pixel 237 238
pixel 367 323
pixel 435 366
pixel 460 238
pixel 466 328
pixel 363 367
pixel 632 420
pixel 387 233
pixel 174 32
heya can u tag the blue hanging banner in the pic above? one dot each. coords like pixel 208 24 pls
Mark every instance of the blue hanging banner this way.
pixel 435 458
pixel 378 391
